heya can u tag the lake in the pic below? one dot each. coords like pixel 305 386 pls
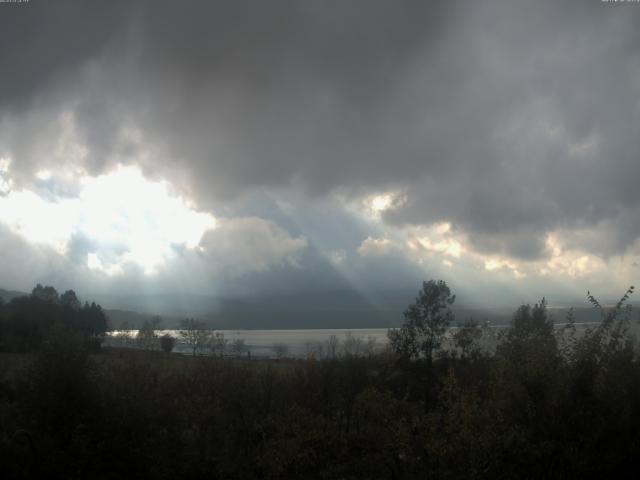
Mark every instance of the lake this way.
pixel 300 343
pixel 262 343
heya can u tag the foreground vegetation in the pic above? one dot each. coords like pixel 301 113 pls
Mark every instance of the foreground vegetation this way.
pixel 543 404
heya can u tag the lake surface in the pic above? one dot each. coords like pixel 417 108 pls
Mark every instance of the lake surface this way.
pixel 294 343
pixel 299 343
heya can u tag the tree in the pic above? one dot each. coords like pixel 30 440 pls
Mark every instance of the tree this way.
pixel 426 322
pixel 194 334
pixel 352 345
pixel 45 293
pixel 467 338
pixel 147 337
pixel 280 350
pixel 530 363
pixel 610 338
pixel 30 319
pixel 217 343
pixel 370 346
pixel 70 300
pixel 167 343
pixel 91 320
pixel 333 345
pixel 530 337
pixel 238 346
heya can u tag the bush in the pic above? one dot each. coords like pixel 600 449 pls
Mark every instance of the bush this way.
pixel 167 343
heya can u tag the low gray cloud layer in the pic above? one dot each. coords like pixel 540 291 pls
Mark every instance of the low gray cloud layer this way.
pixel 508 119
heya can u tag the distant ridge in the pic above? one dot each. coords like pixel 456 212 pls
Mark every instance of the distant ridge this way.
pixel 317 310
pixel 7 295
pixel 310 311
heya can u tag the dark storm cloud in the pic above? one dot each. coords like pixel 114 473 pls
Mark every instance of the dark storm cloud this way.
pixel 507 118
pixel 44 39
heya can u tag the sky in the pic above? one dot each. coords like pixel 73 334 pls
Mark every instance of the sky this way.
pixel 285 149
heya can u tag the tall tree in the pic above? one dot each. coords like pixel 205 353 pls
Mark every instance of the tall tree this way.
pixel 195 334
pixel 426 322
pixel 46 293
pixel 70 299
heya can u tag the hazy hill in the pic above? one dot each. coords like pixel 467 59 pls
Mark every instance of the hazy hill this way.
pixel 321 310
pixel 7 295
pixel 312 310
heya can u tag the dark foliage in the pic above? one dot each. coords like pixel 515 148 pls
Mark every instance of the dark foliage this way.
pixel 167 343
pixel 547 403
pixel 426 321
pixel 25 322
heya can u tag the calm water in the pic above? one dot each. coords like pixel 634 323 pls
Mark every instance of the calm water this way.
pixel 299 343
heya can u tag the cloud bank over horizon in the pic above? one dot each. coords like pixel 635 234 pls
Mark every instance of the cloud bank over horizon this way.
pixel 238 148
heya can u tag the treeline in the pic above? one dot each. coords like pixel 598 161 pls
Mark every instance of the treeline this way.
pixel 544 403
pixel 28 321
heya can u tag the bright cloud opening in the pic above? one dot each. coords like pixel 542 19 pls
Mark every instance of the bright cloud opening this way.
pixel 124 217
pixel 436 238
pixel 376 204
pixel 5 182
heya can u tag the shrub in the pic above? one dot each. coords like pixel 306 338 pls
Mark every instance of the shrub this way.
pixel 167 343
